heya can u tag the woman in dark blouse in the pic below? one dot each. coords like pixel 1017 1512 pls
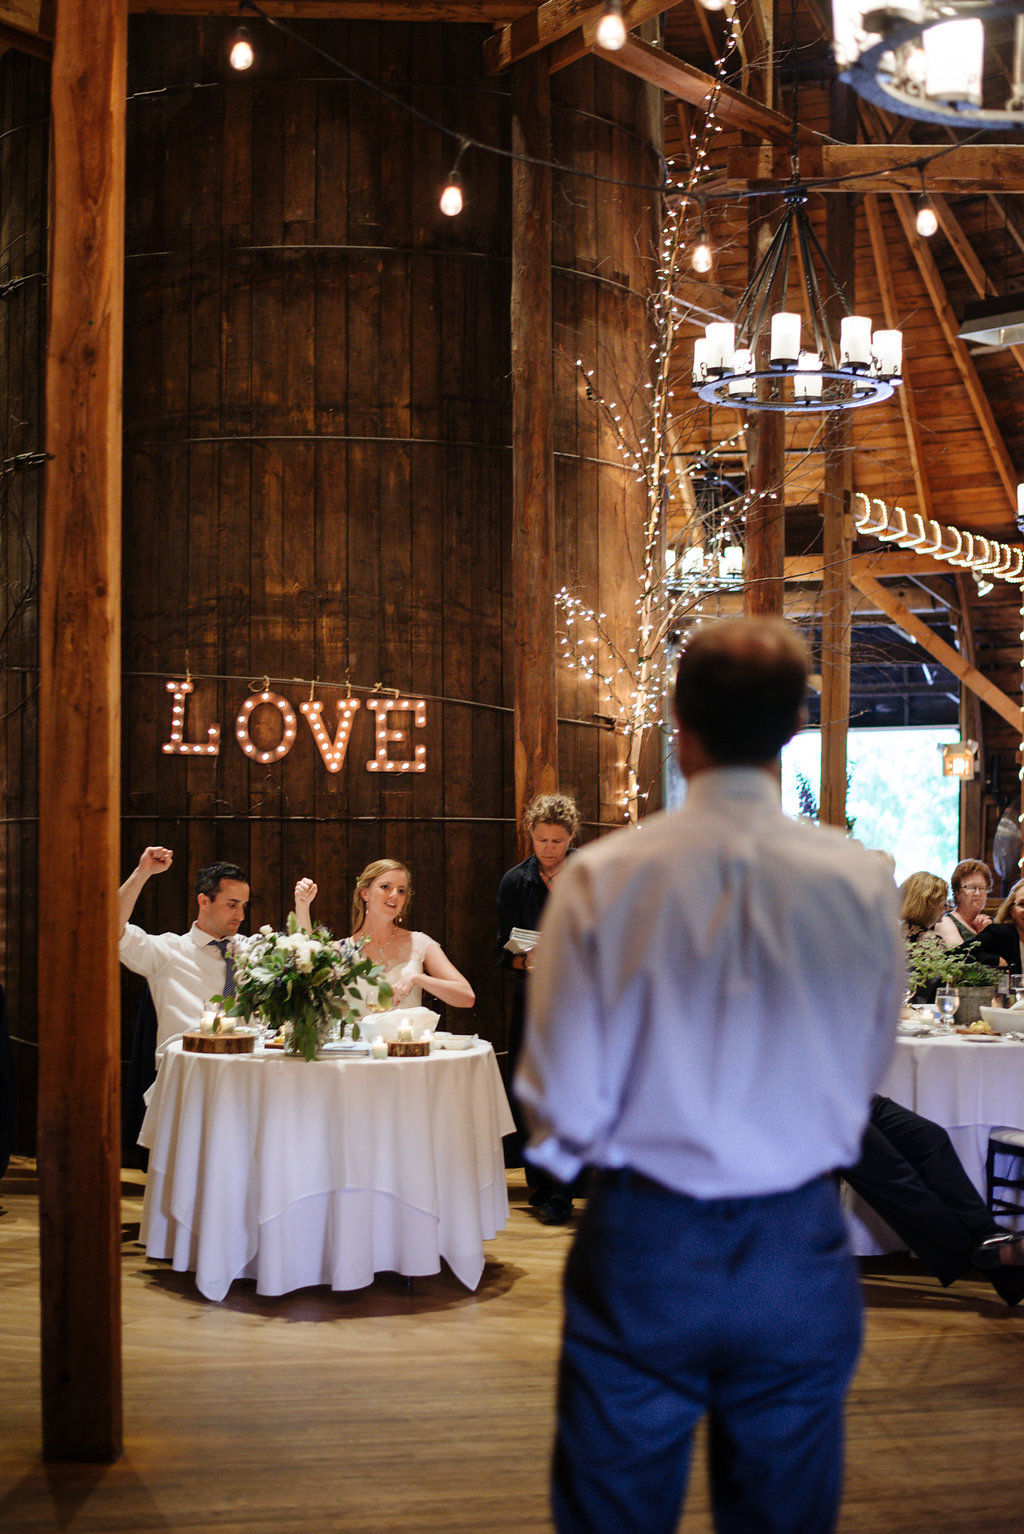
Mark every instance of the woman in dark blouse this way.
pixel 1003 941
pixel 551 821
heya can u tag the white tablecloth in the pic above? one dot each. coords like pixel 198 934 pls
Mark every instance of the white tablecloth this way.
pixel 966 1086
pixel 294 1174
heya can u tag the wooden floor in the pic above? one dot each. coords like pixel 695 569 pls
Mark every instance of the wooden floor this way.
pixel 431 1411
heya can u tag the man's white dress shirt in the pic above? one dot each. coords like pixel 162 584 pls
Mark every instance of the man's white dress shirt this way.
pixel 184 970
pixel 714 997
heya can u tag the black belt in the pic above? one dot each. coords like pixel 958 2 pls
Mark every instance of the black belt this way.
pixel 629 1177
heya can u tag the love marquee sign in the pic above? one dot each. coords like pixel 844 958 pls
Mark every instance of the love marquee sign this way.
pixel 332 748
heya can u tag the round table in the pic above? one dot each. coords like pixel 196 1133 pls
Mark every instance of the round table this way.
pixel 968 1085
pixel 298 1173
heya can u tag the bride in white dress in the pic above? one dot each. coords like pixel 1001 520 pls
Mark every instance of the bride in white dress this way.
pixel 412 962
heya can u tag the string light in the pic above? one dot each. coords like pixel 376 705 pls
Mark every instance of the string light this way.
pixel 241 55
pixel 926 220
pixel 611 29
pixel 451 197
pixel 700 258
pixel 632 679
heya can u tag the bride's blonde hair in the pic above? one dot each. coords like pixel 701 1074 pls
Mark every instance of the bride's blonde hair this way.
pixel 370 872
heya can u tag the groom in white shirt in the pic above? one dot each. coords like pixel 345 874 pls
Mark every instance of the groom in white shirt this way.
pixel 184 969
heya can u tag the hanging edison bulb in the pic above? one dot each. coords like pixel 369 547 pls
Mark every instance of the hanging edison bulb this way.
pixel 611 29
pixel 451 197
pixel 241 54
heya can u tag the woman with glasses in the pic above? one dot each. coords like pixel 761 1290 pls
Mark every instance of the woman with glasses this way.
pixel 971 883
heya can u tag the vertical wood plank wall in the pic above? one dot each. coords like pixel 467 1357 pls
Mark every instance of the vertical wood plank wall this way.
pixel 24 234
pixel 317 463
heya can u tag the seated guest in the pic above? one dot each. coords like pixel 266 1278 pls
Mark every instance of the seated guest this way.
pixel 922 902
pixel 412 962
pixel 910 1174
pixel 971 883
pixel 1001 942
pixel 184 969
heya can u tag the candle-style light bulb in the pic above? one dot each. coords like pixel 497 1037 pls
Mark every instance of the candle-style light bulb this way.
pixel 926 221
pixel 701 258
pixel 241 55
pixel 451 197
pixel 611 29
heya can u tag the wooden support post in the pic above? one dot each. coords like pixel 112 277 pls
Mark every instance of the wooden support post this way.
pixel 535 722
pixel 764 547
pixel 835 624
pixel 840 237
pixel 79 1143
pixel 972 817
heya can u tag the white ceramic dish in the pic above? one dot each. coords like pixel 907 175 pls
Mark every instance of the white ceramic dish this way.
pixel 1003 1020
pixel 461 1040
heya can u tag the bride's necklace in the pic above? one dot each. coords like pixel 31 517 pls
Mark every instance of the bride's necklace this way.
pixel 384 948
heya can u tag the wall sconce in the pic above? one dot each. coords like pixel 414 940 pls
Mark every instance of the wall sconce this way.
pixel 960 760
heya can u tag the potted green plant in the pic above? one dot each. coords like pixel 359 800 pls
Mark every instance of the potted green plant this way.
pixel 930 964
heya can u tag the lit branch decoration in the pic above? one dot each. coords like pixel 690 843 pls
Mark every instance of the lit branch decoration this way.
pixel 634 677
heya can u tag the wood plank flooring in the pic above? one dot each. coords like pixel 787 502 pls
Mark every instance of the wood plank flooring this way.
pixel 430 1410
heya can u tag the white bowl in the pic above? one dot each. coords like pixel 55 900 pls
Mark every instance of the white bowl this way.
pixel 385 1025
pixel 1004 1019
pixel 461 1040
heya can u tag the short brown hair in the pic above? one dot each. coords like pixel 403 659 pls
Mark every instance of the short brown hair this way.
pixel 740 688
pixel 552 810
pixel 965 869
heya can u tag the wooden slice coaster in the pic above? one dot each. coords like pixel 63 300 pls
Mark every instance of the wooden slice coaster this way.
pixel 219 1043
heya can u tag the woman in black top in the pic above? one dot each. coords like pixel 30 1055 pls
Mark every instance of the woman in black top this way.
pixel 1001 943
pixel 551 821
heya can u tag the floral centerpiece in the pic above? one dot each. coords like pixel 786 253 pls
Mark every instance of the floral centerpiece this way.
pixel 305 983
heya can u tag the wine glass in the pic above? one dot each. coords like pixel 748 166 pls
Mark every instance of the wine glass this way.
pixel 947 999
pixel 1017 986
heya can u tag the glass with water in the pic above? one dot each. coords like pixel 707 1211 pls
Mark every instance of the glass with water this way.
pixel 947 999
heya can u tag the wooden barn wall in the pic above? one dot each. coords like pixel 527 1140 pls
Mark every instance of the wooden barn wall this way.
pixel 318 457
pixel 317 469
pixel 24 149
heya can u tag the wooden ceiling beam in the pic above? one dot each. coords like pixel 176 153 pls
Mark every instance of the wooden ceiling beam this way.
pixel 968 258
pixel 686 83
pixel 1010 216
pixel 556 20
pixel 953 661
pixel 932 279
pixel 881 167
pixel 28 25
pixel 494 12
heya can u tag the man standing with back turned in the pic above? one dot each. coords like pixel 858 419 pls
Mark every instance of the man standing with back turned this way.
pixel 714 1001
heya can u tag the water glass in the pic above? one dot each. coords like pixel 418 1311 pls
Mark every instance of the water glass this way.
pixel 947 999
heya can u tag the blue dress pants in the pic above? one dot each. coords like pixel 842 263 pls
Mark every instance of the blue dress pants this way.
pixel 745 1310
